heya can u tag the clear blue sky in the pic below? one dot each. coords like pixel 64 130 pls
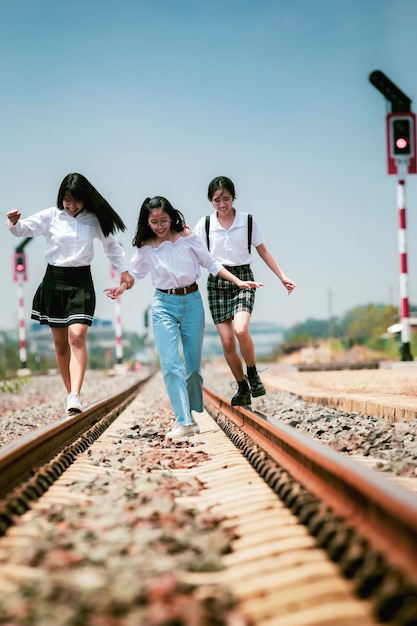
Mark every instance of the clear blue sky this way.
pixel 157 97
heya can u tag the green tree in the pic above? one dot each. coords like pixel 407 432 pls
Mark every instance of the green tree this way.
pixel 366 323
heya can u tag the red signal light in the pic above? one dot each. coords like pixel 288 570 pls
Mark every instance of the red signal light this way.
pixel 402 129
pixel 19 264
pixel 401 143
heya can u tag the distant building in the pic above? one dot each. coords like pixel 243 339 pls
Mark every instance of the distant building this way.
pixel 39 338
pixel 267 337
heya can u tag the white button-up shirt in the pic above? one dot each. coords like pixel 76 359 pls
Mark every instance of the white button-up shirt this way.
pixel 230 246
pixel 173 263
pixel 70 240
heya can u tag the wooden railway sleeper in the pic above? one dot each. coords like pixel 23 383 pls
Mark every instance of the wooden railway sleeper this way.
pixel 18 501
pixel 394 600
pixel 331 532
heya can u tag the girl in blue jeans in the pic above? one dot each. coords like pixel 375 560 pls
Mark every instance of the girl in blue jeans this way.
pixel 173 256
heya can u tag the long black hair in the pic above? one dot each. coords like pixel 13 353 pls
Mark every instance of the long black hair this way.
pixel 79 188
pixel 144 231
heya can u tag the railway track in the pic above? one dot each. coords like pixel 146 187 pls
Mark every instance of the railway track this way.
pixel 31 464
pixel 315 539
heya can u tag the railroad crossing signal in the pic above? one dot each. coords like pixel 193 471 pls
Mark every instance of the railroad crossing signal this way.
pixel 401 142
pixel 19 267
pixel 401 157
pixel 400 126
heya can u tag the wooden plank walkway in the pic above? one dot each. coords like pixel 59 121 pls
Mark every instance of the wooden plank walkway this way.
pixel 389 391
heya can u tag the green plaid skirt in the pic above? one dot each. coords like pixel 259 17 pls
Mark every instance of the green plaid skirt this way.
pixel 226 299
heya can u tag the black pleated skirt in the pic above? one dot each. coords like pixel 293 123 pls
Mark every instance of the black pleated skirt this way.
pixel 65 296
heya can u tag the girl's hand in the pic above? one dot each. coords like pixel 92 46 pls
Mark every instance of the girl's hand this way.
pixel 13 216
pixel 115 292
pixel 249 284
pixel 127 278
pixel 288 284
pixel 186 231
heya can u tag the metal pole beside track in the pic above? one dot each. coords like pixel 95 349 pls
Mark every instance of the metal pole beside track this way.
pixel 21 320
pixel 119 343
pixel 118 323
pixel 402 244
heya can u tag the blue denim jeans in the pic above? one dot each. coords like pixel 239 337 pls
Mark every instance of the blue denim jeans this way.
pixel 174 318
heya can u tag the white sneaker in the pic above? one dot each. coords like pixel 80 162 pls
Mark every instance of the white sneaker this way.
pixel 195 427
pixel 180 431
pixel 74 403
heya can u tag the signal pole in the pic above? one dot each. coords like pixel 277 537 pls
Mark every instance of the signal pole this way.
pixel 19 277
pixel 21 322
pixel 401 159
pixel 402 244
pixel 118 324
pixel 119 345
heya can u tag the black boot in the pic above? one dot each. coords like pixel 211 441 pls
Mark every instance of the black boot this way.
pixel 255 382
pixel 243 394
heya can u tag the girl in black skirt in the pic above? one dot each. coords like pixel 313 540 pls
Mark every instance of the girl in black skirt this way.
pixel 65 300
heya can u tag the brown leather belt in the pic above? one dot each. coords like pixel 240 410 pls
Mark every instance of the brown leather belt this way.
pixel 180 291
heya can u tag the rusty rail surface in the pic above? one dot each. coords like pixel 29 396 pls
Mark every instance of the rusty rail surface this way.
pixel 379 511
pixel 22 460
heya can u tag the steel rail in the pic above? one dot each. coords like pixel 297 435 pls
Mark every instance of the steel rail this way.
pixel 379 510
pixel 21 459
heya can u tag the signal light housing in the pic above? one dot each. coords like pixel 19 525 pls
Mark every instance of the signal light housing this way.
pixel 401 142
pixel 19 267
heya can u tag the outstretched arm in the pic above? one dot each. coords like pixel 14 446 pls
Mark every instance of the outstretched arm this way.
pixel 243 284
pixel 115 292
pixel 273 265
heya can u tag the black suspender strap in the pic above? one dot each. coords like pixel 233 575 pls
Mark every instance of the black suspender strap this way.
pixel 249 231
pixel 208 230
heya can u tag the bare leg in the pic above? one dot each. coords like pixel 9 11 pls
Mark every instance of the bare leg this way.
pixel 62 354
pixel 247 348
pixel 241 329
pixel 77 338
pixel 71 355
pixel 225 330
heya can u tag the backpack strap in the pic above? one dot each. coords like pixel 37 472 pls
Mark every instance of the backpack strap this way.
pixel 249 231
pixel 208 230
